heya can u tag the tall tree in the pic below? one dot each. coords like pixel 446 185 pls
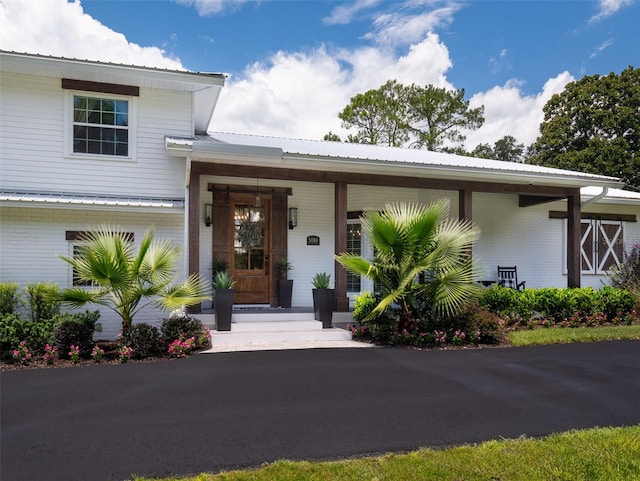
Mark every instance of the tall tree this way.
pixel 437 114
pixel 508 149
pixel 379 115
pixel 124 280
pixel 594 126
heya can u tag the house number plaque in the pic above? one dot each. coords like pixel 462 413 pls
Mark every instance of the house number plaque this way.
pixel 313 240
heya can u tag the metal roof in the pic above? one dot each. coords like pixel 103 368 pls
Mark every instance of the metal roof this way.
pixel 392 160
pixel 70 199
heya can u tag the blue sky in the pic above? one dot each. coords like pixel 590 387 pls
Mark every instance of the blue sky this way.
pixel 293 65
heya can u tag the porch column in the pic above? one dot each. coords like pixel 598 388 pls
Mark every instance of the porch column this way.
pixel 193 247
pixel 342 301
pixel 573 240
pixel 465 204
pixel 465 200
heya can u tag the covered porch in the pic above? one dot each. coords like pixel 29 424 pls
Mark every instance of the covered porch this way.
pixel 331 183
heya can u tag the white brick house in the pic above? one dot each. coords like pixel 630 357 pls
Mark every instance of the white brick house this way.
pixel 86 143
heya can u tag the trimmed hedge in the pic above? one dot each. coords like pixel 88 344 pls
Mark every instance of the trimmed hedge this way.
pixel 560 305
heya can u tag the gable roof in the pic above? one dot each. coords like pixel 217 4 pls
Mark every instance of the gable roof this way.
pixel 364 158
pixel 205 87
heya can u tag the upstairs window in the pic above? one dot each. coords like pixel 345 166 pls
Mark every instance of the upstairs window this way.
pixel 100 126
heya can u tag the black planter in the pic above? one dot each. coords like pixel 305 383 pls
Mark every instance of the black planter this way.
pixel 285 289
pixel 324 301
pixel 224 308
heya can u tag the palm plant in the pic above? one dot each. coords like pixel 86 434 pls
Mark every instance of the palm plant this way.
pixel 412 242
pixel 122 279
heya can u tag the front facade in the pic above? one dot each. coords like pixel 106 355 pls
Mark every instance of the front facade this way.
pixel 84 144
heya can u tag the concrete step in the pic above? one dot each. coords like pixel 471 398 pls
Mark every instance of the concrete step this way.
pixel 263 337
pixel 281 325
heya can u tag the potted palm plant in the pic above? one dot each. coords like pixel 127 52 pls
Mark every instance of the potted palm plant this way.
pixel 223 299
pixel 324 299
pixel 285 285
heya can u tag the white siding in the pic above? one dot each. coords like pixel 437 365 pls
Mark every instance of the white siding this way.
pixel 32 147
pixel 32 239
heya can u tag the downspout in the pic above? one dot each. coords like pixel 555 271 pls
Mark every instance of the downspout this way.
pixel 185 241
pixel 595 198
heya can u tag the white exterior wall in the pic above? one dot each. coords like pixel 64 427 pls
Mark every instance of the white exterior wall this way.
pixel 510 235
pixel 32 142
pixel 315 203
pixel 32 240
pixel 527 238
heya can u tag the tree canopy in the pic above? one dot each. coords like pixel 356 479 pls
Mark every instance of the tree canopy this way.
pixel 397 115
pixel 594 126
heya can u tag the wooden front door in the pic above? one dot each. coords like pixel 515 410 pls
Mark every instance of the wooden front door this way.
pixel 250 241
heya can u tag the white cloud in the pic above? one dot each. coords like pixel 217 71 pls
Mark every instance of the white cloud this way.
pixel 344 14
pixel 606 44
pixel 509 112
pixel 291 94
pixel 609 7
pixel 406 26
pixel 213 7
pixel 59 28
pixel 301 94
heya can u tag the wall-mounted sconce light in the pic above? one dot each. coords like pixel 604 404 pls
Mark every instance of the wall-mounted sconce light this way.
pixel 293 217
pixel 208 214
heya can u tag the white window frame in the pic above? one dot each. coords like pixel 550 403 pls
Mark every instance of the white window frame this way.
pixel 69 123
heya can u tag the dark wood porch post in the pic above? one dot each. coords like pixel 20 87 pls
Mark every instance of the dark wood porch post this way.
pixel 342 301
pixel 465 204
pixel 193 247
pixel 573 240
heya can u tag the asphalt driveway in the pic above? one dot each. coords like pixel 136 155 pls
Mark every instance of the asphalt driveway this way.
pixel 213 412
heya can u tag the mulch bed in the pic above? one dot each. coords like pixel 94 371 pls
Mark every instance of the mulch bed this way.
pixel 110 357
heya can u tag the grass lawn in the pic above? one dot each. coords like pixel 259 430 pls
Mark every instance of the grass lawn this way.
pixel 599 454
pixel 562 335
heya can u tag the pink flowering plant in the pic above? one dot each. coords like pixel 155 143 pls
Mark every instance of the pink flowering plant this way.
pixel 181 347
pixel 97 354
pixel 50 354
pixel 124 354
pixel 74 354
pixel 22 354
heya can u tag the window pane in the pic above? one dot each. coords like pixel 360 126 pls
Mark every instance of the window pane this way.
pixel 108 148
pixel 121 135
pixel 109 135
pixel 122 149
pixel 94 104
pixel 94 133
pixel 257 259
pixel 241 259
pixel 108 118
pixel 108 105
pixel 79 115
pixel 79 102
pixel 93 147
pixel 94 117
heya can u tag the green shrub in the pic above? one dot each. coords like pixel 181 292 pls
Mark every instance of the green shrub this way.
pixel 144 339
pixel 183 327
pixel 615 301
pixel 42 301
pixel 77 330
pixel 479 324
pixel 9 298
pixel 364 304
pixel 502 301
pixel 13 330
